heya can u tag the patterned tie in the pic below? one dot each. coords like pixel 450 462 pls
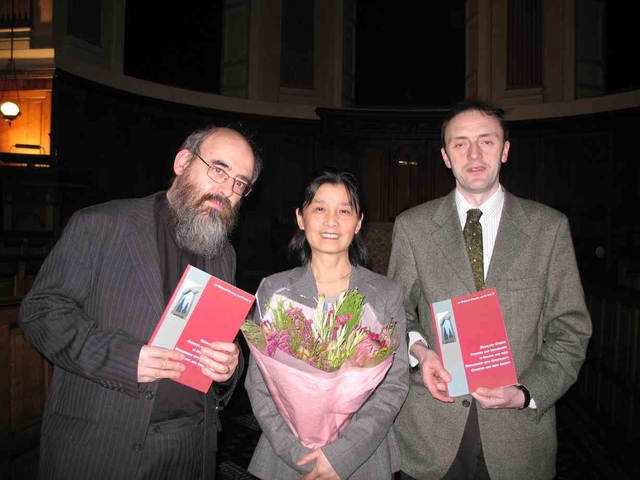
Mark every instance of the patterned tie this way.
pixel 473 237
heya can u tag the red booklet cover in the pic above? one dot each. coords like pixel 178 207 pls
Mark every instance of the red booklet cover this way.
pixel 203 309
pixel 473 343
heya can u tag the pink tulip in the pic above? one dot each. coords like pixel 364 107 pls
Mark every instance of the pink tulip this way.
pixel 365 353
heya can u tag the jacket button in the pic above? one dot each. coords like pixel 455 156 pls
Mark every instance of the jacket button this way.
pixel 149 395
pixel 466 403
pixel 137 446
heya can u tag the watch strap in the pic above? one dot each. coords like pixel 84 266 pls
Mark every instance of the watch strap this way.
pixel 527 396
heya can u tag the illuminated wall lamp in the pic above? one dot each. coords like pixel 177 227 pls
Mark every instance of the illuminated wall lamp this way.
pixel 10 111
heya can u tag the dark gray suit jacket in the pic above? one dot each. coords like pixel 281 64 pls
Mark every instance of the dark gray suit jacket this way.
pixel 94 304
pixel 534 269
pixel 367 448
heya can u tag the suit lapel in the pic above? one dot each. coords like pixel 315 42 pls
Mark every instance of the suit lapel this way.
pixel 510 240
pixel 143 246
pixel 302 286
pixel 451 242
pixel 362 279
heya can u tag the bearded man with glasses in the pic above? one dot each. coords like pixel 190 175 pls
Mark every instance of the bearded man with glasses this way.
pixel 113 411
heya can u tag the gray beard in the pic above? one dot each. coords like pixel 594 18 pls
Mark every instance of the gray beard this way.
pixel 204 235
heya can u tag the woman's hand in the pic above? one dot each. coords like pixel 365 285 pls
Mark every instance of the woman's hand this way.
pixel 322 470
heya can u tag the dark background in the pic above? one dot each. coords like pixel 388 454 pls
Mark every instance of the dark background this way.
pixel 408 53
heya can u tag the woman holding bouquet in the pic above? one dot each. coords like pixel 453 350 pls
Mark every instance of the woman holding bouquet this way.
pixel 332 256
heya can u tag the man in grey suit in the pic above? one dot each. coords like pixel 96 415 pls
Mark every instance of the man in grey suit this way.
pixel 112 411
pixel 528 255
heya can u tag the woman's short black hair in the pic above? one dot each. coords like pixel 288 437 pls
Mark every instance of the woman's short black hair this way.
pixel 298 246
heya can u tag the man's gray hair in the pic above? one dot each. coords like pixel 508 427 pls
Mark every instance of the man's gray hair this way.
pixel 194 142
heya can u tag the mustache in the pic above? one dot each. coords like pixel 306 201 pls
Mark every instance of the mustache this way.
pixel 222 200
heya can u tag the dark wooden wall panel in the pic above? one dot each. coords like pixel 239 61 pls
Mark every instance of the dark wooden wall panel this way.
pixel 373 159
pixel 408 185
pixel 401 149
pixel 521 172
pixel 435 172
pixel 5 381
pixel 607 395
pixel 24 386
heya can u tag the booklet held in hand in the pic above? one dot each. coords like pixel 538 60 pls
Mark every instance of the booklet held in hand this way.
pixel 473 343
pixel 203 309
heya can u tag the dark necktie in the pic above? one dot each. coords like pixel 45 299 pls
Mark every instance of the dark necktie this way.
pixel 473 237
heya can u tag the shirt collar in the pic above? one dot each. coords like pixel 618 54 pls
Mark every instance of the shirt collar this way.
pixel 489 209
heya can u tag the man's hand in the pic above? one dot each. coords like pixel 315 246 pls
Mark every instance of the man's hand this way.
pixel 434 375
pixel 322 469
pixel 155 363
pixel 502 397
pixel 220 360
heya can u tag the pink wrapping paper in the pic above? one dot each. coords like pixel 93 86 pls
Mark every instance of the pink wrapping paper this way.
pixel 315 404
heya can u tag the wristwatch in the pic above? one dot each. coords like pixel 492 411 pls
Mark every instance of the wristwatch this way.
pixel 527 396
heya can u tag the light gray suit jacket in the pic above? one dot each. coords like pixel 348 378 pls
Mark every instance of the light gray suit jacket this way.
pixel 534 269
pixel 367 448
pixel 96 301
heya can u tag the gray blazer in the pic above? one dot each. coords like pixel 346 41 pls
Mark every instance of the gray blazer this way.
pixel 534 269
pixel 95 302
pixel 367 447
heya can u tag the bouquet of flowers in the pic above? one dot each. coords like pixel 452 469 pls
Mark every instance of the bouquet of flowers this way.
pixel 320 364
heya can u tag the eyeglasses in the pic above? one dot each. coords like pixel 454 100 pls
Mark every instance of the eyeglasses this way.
pixel 218 175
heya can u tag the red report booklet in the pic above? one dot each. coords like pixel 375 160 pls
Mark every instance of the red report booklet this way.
pixel 473 343
pixel 203 309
